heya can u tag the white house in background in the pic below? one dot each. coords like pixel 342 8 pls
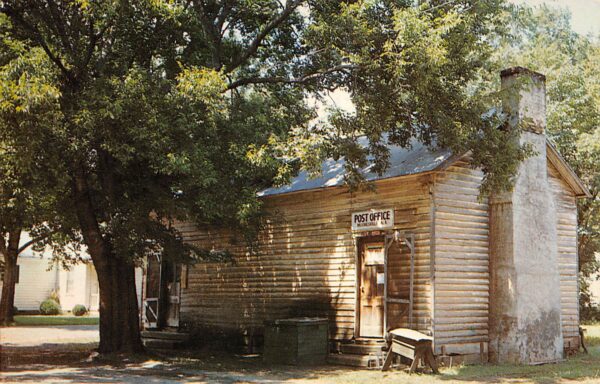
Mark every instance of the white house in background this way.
pixel 595 286
pixel 38 276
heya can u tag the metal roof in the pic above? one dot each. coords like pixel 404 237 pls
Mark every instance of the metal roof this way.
pixel 417 158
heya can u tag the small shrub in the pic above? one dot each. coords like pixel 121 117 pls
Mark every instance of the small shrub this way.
pixel 54 295
pixel 50 307
pixel 79 310
pixel 15 310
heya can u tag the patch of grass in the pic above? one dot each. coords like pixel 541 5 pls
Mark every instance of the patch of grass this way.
pixel 55 320
pixel 592 334
pixel 580 367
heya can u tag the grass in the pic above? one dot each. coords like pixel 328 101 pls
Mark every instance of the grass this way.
pixel 55 320
pixel 592 334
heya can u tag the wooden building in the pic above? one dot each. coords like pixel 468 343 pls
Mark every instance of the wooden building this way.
pixel 417 252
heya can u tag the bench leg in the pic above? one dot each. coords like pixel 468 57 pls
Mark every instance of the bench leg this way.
pixel 415 363
pixel 388 360
pixel 431 360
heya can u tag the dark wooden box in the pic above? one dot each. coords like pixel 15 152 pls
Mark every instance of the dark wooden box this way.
pixel 297 341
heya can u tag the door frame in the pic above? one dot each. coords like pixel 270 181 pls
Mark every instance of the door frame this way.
pixel 389 238
pixel 145 302
pixel 360 240
pixel 162 301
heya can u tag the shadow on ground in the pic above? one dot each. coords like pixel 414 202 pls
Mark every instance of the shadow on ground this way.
pixel 72 363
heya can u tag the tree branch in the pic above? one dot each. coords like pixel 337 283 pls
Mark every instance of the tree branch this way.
pixel 225 10
pixel 211 32
pixel 13 242
pixel 285 80
pixel 16 17
pixel 32 241
pixel 290 6
pixel 59 26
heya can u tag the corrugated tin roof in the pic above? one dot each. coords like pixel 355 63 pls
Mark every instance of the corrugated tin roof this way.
pixel 403 161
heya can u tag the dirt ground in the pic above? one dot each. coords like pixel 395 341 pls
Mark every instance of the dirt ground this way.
pixel 64 354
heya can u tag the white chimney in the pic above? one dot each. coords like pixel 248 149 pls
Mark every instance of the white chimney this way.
pixel 525 322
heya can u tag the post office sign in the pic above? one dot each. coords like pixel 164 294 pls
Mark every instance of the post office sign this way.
pixel 373 219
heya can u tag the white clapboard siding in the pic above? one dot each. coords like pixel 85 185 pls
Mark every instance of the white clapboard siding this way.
pixel 304 263
pixel 36 282
pixel 461 259
pixel 566 209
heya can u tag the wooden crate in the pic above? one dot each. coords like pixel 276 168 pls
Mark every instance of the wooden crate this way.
pixel 296 341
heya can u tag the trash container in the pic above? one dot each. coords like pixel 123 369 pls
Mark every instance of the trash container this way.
pixel 296 341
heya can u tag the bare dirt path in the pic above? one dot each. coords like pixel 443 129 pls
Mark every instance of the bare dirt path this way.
pixel 29 336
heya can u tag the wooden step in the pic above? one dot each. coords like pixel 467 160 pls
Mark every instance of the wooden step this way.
pixel 161 344
pixel 369 341
pixel 364 361
pixel 361 349
pixel 164 335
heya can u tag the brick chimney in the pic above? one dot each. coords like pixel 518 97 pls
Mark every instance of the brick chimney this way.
pixel 525 323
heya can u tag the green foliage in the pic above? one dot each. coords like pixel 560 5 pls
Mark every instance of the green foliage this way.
pixel 50 307
pixel 79 310
pixel 183 113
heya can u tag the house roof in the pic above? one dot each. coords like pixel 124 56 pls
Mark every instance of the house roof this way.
pixel 418 158
pixel 565 170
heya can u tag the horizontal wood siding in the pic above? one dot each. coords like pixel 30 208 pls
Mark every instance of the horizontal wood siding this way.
pixel 566 209
pixel 461 259
pixel 36 282
pixel 304 264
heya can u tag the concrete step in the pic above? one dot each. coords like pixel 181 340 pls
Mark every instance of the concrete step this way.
pixel 361 349
pixel 364 361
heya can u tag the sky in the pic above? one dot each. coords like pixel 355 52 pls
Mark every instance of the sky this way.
pixel 585 14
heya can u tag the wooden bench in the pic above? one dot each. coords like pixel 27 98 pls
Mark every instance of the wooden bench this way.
pixel 412 345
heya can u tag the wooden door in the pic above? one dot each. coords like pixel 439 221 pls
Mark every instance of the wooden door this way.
pixel 372 258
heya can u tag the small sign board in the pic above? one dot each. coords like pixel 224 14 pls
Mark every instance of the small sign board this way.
pixel 373 219
pixel 374 254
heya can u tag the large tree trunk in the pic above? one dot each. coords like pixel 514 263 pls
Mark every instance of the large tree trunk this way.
pixel 119 316
pixel 10 253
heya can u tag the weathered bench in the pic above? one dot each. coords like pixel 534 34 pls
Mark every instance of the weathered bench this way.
pixel 412 345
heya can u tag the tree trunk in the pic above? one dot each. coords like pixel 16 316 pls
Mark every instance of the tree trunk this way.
pixel 8 290
pixel 119 316
pixel 7 302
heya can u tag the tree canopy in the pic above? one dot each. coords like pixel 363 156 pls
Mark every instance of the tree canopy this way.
pixel 155 112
